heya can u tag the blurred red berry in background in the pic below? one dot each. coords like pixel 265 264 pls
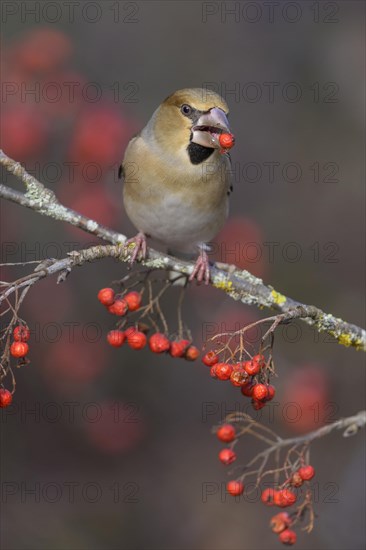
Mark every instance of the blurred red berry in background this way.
pixel 93 202
pixel 115 427
pixel 240 242
pixel 42 50
pixel 73 360
pixel 306 399
pixel 24 132
pixel 62 301
pixel 62 94
pixel 100 136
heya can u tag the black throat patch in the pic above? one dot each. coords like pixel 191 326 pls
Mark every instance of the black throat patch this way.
pixel 198 153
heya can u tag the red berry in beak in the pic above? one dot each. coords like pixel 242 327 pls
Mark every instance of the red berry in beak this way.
pixel 227 141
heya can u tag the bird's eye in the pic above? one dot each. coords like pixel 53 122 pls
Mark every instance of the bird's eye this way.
pixel 186 109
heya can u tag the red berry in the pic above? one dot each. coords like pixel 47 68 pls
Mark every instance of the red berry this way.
pixel 192 353
pixel 129 331
pixel 284 498
pixel 159 343
pixel 251 367
pixel 296 480
pixel 238 377
pixel 247 389
pixel 5 398
pixel 213 371
pixel 306 472
pixel 43 51
pixel 259 360
pixel 106 296
pixel 19 349
pixel 267 497
pixel 260 392
pixel 226 141
pixel 116 338
pixel 238 366
pixel 287 537
pixel 226 433
pixel 133 300
pixel 136 339
pixel 223 371
pixel 235 488
pixel 227 456
pixel 279 522
pixel 178 348
pixel 258 405
pixel 210 359
pixel 119 307
pixel 271 392
pixel 21 333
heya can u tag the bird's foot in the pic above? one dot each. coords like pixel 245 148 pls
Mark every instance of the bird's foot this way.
pixel 140 247
pixel 201 270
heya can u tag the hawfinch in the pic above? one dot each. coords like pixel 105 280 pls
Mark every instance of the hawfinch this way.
pixel 177 176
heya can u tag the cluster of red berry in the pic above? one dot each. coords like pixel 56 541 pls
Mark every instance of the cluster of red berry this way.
pixel 282 498
pixel 135 336
pixel 19 347
pixel 286 497
pixel 116 304
pixel 245 374
pixel 280 524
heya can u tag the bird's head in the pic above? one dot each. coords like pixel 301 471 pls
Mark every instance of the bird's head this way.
pixel 191 118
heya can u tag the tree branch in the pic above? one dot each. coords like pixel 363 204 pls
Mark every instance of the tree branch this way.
pixel 238 284
pixel 350 424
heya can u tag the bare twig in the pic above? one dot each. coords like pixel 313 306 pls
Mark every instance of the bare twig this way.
pixel 351 425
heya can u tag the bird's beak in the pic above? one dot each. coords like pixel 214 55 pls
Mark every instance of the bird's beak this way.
pixel 206 131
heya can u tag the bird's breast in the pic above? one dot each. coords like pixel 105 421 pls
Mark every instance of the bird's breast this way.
pixel 175 202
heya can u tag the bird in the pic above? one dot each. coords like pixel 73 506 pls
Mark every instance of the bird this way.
pixel 177 177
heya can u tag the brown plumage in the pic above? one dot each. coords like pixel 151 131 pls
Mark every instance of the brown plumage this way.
pixel 177 180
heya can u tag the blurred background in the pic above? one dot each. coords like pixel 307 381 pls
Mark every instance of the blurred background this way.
pixel 110 448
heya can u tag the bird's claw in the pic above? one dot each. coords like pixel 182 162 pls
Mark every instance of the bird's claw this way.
pixel 140 248
pixel 201 270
